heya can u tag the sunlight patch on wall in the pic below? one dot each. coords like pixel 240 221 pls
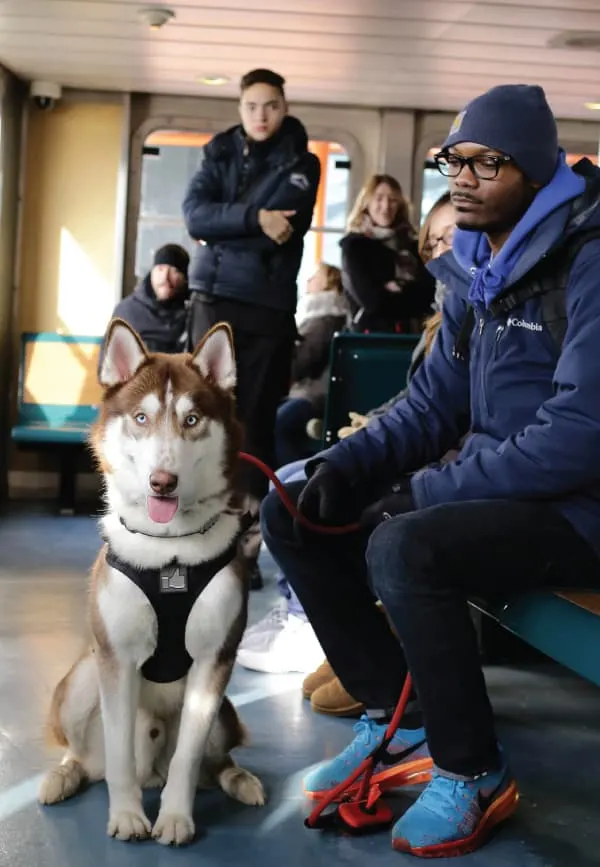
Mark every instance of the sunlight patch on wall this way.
pixel 85 298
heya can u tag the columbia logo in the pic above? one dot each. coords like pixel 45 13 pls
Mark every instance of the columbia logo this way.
pixel 520 323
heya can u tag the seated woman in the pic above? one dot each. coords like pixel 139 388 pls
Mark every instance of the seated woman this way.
pixel 435 239
pixel 284 640
pixel 385 281
pixel 322 311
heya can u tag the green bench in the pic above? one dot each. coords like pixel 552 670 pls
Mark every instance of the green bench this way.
pixel 58 398
pixel 367 370
pixel 562 624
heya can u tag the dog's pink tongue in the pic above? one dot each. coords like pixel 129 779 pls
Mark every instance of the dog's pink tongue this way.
pixel 162 509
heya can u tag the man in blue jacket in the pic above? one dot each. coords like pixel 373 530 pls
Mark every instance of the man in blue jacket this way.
pixel 519 508
pixel 250 205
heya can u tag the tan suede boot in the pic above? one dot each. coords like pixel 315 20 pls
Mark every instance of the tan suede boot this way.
pixel 322 675
pixel 331 698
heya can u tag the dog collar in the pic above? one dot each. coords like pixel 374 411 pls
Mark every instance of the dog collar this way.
pixel 246 522
pixel 201 531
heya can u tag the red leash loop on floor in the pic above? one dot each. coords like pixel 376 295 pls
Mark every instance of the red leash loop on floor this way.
pixel 362 811
pixel 296 515
pixel 367 795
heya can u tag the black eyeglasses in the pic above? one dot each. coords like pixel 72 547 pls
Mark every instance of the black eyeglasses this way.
pixel 484 167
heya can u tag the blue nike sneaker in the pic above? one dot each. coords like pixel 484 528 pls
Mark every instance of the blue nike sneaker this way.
pixel 453 817
pixel 406 761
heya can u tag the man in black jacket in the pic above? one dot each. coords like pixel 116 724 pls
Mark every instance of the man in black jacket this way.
pixel 250 205
pixel 157 308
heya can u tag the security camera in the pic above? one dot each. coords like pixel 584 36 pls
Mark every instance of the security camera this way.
pixel 45 94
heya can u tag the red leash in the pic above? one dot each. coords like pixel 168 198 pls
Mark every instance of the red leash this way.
pixel 361 808
pixel 316 528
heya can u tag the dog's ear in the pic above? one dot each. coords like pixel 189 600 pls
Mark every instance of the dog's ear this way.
pixel 124 352
pixel 214 357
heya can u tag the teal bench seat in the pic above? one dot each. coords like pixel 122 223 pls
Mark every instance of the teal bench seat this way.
pixel 562 624
pixel 51 424
pixel 58 399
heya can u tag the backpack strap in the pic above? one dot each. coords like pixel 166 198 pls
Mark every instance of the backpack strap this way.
pixel 460 350
pixel 548 281
pixel 554 300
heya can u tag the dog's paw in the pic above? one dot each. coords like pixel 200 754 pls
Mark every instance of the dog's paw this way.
pixel 154 781
pixel 128 825
pixel 174 829
pixel 243 786
pixel 61 783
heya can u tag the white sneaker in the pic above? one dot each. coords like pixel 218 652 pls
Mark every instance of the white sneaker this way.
pixel 294 648
pixel 272 622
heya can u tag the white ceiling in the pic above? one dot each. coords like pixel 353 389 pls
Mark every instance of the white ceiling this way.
pixel 425 54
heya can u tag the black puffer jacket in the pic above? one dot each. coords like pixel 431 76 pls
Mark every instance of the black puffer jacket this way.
pixel 236 179
pixel 160 324
pixel 367 265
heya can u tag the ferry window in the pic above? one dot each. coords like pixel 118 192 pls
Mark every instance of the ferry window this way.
pixel 573 158
pixel 171 157
pixel 434 184
pixel 321 243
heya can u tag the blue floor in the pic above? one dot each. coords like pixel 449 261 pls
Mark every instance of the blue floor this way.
pixel 549 722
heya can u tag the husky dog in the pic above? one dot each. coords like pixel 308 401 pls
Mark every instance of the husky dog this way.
pixel 145 705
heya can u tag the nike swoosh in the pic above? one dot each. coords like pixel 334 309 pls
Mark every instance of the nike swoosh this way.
pixel 484 801
pixel 393 758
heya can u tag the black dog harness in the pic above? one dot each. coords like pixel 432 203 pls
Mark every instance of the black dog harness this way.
pixel 172 591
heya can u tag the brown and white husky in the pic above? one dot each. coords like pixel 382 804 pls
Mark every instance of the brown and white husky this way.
pixel 146 705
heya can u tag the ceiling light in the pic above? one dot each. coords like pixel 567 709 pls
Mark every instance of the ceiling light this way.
pixel 156 16
pixel 594 106
pixel 214 80
pixel 578 40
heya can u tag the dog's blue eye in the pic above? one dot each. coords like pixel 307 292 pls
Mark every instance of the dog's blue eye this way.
pixel 191 420
pixel 141 418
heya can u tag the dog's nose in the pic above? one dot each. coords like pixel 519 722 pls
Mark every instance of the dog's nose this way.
pixel 163 483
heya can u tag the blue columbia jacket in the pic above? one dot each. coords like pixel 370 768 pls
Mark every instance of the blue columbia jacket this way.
pixel 533 414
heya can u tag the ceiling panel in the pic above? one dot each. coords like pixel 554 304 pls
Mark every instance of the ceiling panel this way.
pixel 424 54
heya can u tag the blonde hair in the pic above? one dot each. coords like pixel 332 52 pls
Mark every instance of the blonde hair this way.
pixel 333 277
pixel 424 253
pixel 363 200
pixel 431 328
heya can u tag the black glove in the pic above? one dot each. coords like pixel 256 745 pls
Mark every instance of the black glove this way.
pixel 398 501
pixel 324 499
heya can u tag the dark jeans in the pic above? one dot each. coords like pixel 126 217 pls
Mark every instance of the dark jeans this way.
pixel 292 443
pixel 263 364
pixel 423 566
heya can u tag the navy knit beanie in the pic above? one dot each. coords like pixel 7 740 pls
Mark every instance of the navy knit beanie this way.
pixel 516 120
pixel 173 254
